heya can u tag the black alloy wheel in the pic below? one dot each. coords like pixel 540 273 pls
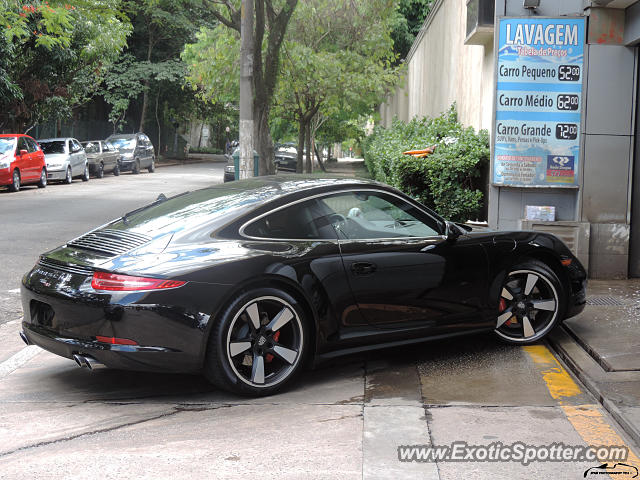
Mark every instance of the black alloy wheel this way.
pixel 259 344
pixel 15 181
pixel 529 304
pixel 43 179
pixel 116 170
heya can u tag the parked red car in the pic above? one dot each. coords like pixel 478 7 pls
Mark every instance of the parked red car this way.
pixel 21 162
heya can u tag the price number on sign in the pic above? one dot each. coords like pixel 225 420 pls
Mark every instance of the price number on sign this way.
pixel 566 131
pixel 568 102
pixel 568 73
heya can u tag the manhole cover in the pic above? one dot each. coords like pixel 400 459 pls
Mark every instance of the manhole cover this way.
pixel 605 301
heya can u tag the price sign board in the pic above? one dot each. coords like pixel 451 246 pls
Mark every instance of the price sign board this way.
pixel 540 71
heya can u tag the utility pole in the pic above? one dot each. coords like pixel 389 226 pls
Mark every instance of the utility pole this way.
pixel 246 90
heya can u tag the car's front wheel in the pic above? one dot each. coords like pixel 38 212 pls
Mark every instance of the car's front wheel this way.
pixel 136 167
pixel 68 177
pixel 259 343
pixel 530 303
pixel 116 170
pixel 15 181
pixel 100 172
pixel 152 167
pixel 85 173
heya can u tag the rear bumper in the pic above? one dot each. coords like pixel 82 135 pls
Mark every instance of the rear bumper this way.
pixel 577 299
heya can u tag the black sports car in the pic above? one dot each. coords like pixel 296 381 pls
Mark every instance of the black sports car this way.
pixel 248 281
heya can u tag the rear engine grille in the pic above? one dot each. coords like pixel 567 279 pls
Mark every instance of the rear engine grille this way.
pixel 75 269
pixel 110 242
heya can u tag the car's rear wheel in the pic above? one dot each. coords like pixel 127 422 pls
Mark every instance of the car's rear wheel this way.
pixel 530 303
pixel 116 170
pixel 85 173
pixel 43 179
pixel 15 181
pixel 136 167
pixel 68 177
pixel 259 344
pixel 100 172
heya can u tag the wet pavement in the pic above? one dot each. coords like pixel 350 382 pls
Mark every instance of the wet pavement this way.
pixel 602 347
pixel 344 420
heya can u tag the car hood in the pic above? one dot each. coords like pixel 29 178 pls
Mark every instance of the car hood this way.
pixel 56 157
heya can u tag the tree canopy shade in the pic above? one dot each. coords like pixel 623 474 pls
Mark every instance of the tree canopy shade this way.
pixel 54 56
pixel 271 21
pixel 337 62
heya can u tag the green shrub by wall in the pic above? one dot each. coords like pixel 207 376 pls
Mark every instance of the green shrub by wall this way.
pixel 448 181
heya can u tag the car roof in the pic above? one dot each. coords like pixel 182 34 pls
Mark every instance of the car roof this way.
pixel 124 135
pixel 93 141
pixel 11 135
pixel 57 139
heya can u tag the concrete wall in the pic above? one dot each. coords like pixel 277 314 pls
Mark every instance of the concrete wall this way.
pixel 441 70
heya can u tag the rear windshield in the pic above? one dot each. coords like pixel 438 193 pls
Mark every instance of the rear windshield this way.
pixel 7 145
pixel 53 147
pixel 91 147
pixel 124 143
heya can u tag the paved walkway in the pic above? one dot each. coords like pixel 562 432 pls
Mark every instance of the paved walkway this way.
pixel 602 347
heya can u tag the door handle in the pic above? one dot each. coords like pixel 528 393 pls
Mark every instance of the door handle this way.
pixel 363 268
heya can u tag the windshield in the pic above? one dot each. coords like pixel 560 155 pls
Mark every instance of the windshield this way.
pixel 91 147
pixel 123 143
pixel 7 145
pixel 53 147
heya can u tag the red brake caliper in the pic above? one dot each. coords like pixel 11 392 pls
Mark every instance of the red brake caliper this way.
pixel 268 356
pixel 502 306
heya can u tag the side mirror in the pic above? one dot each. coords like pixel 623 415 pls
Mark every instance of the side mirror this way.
pixel 24 152
pixel 453 232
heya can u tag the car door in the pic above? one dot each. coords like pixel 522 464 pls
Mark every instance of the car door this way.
pixel 22 159
pixel 78 157
pixel 34 164
pixel 109 156
pixel 402 269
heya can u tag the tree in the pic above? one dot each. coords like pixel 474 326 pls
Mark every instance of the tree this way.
pixel 271 21
pixel 54 57
pixel 406 22
pixel 337 61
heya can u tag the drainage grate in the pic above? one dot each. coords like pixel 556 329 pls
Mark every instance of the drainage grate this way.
pixel 605 301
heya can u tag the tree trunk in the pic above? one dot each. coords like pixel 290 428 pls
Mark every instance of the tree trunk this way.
pixel 158 122
pixel 307 134
pixel 319 157
pixel 262 138
pixel 145 92
pixel 300 160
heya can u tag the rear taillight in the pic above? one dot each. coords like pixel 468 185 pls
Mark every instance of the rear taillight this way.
pixel 127 283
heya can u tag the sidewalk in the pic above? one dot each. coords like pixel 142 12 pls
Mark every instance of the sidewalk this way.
pixel 192 158
pixel 602 348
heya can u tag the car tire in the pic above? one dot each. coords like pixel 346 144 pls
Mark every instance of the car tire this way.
pixel 136 167
pixel 152 167
pixel 116 170
pixel 259 344
pixel 531 303
pixel 14 186
pixel 85 174
pixel 68 179
pixel 100 173
pixel 42 183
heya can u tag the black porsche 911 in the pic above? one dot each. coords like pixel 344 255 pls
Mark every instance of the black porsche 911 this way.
pixel 251 280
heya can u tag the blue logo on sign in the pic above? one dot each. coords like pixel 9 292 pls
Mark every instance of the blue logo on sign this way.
pixel 556 162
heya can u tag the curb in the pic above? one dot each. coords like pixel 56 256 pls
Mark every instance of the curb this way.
pixel 580 363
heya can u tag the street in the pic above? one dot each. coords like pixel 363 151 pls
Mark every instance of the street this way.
pixel 344 420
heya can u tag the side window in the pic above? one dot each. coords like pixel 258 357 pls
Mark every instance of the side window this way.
pixel 32 146
pixel 106 147
pixel 22 144
pixel 76 146
pixel 299 221
pixel 371 215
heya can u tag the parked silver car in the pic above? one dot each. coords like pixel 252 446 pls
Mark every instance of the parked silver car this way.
pixel 65 159
pixel 102 157
pixel 136 152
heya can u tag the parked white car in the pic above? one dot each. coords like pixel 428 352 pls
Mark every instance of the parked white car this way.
pixel 65 159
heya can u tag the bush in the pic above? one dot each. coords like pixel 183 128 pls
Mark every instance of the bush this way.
pixel 446 181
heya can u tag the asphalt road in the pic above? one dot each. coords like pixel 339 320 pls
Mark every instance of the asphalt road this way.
pixel 344 420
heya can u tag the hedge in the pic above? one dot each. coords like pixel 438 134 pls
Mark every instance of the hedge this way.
pixel 446 181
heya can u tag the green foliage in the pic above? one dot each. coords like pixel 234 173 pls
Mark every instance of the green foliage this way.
pixel 406 23
pixel 446 181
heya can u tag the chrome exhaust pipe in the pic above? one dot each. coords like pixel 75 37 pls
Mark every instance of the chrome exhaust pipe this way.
pixel 24 338
pixel 85 361
pixel 79 359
